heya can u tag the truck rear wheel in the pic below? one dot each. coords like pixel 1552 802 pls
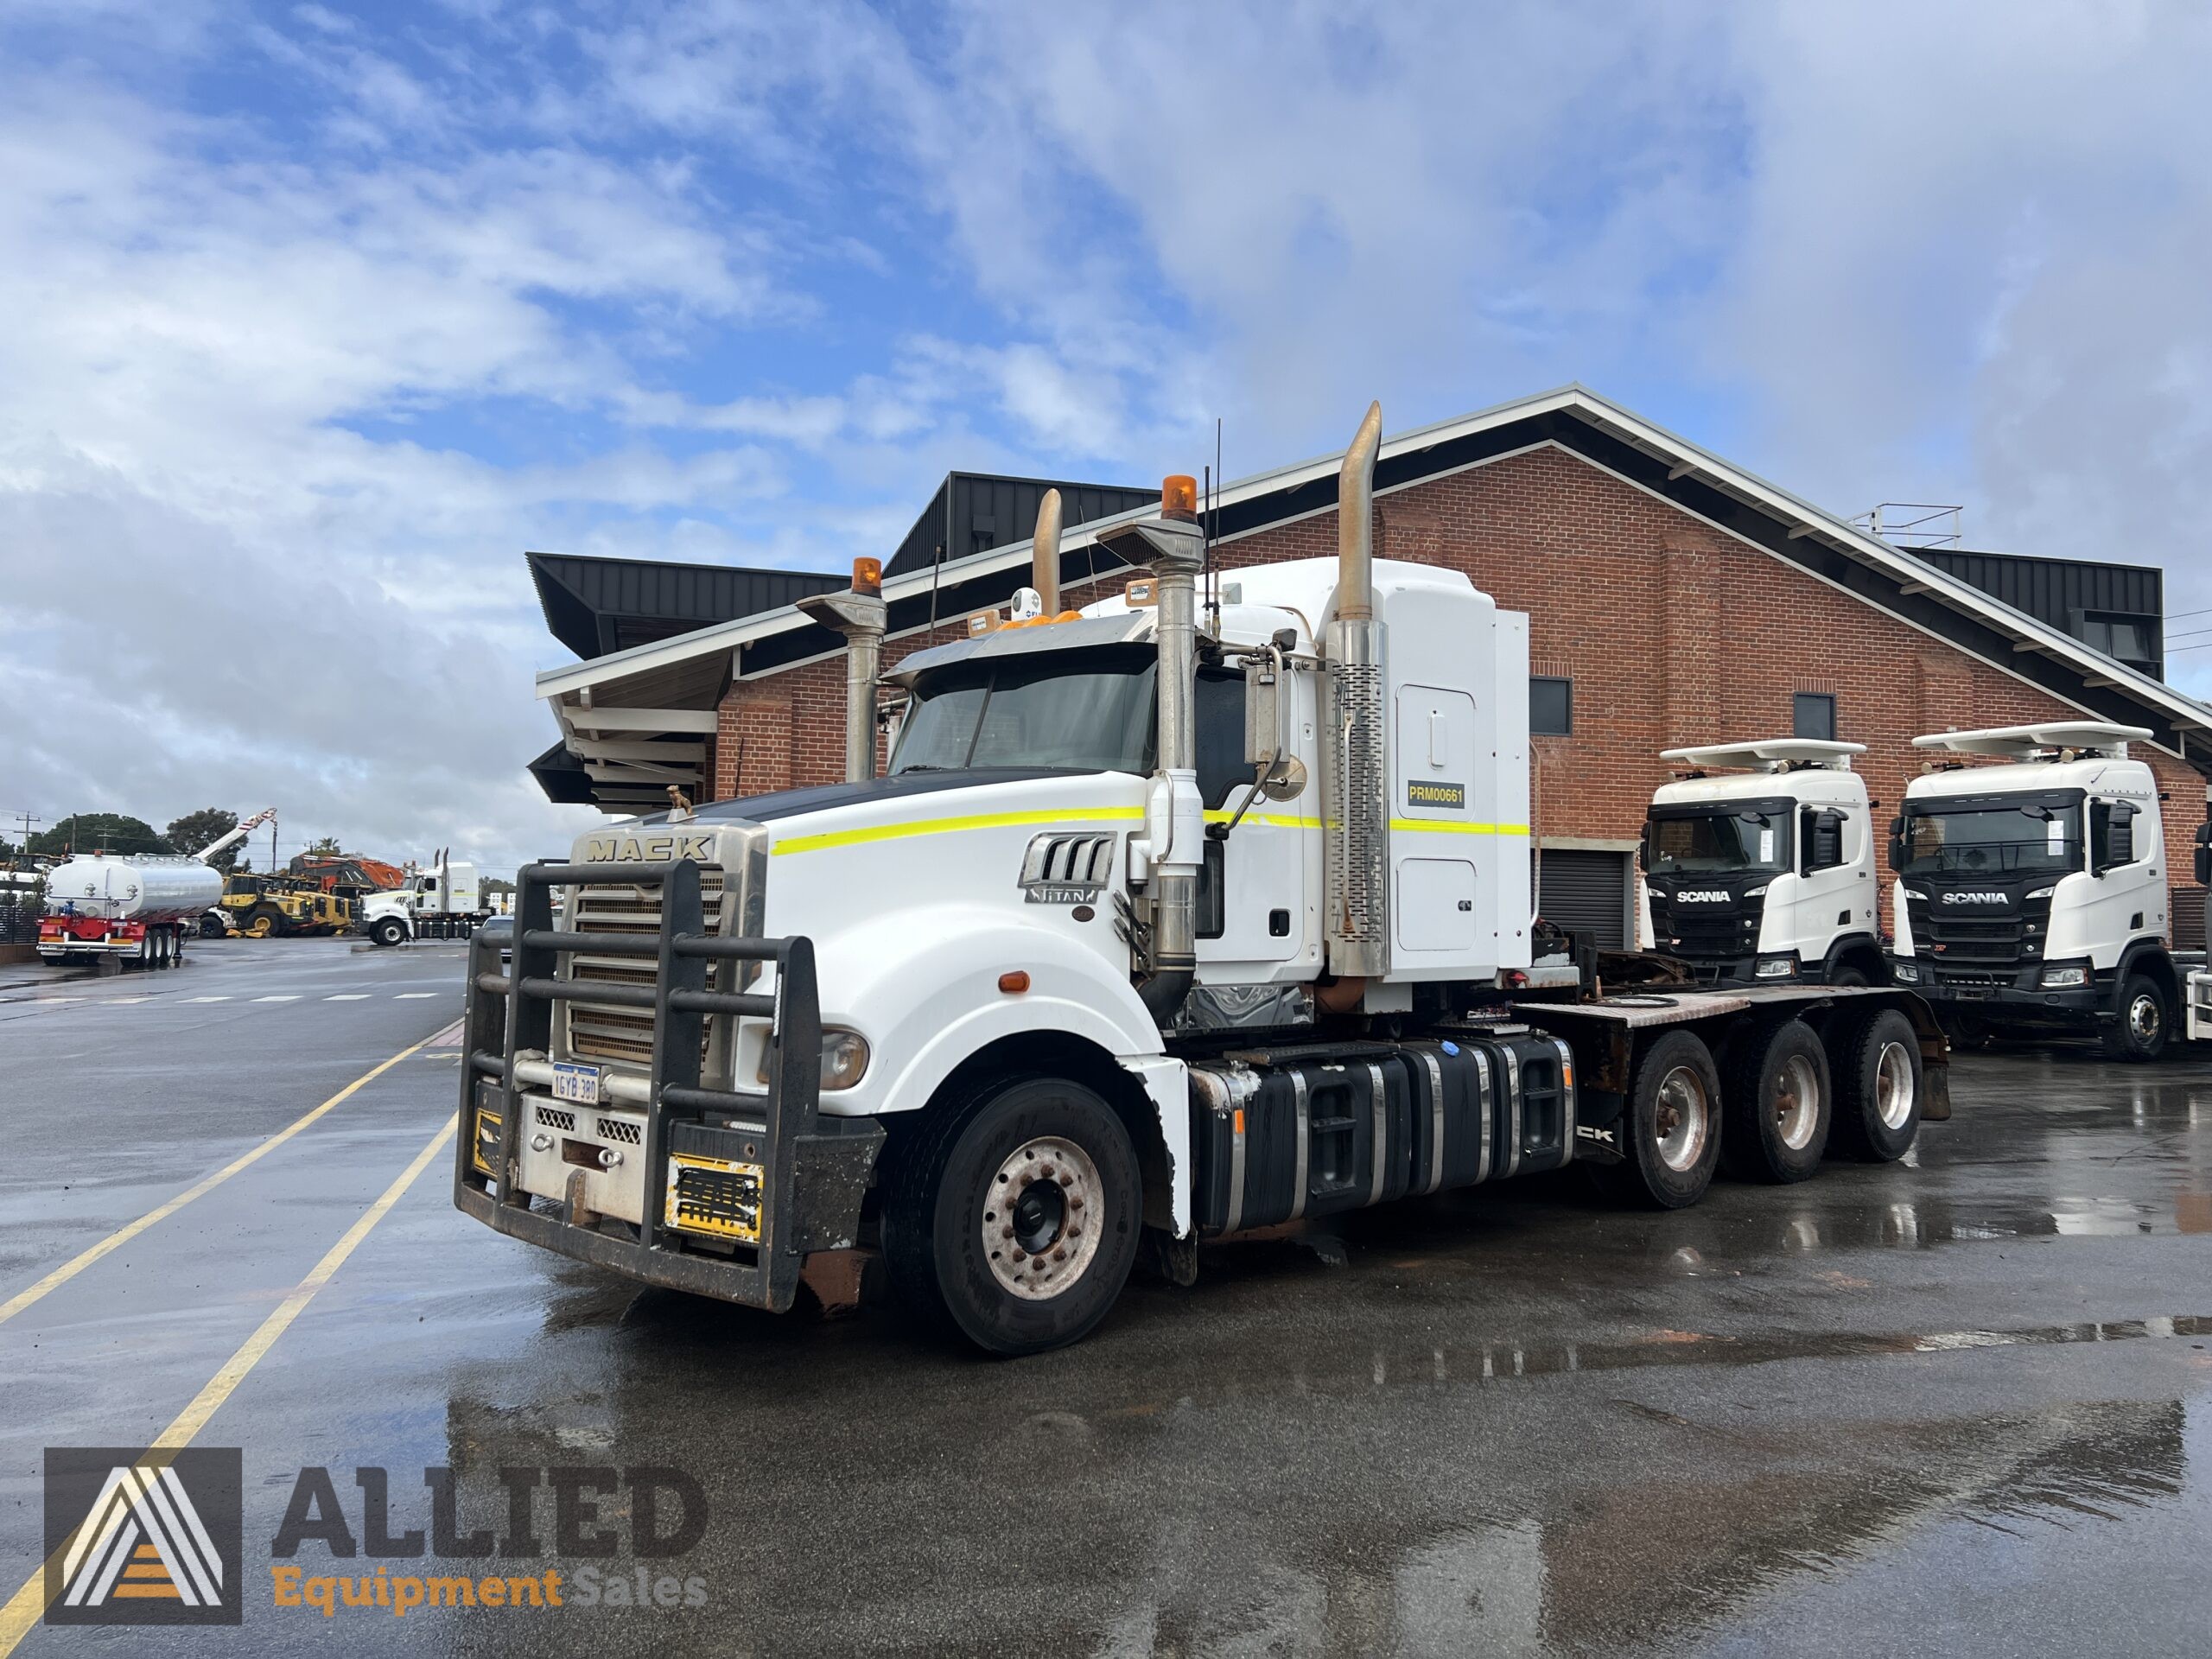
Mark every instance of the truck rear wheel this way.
pixel 1877 1070
pixel 2140 1034
pixel 1671 1129
pixel 1018 1217
pixel 1778 1097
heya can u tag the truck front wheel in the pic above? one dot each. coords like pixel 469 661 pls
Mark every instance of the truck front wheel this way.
pixel 1018 1217
pixel 1671 1130
pixel 388 930
pixel 2140 1034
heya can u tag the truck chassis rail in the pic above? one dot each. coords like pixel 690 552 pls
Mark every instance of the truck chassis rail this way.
pixel 811 1171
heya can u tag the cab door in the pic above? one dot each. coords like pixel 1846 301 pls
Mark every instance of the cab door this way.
pixel 1258 904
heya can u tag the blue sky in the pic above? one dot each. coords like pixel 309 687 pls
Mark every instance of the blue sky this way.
pixel 344 307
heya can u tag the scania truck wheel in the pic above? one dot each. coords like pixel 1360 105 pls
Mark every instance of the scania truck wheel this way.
pixel 388 930
pixel 1017 1218
pixel 1876 1067
pixel 1778 1100
pixel 1671 1129
pixel 2140 1034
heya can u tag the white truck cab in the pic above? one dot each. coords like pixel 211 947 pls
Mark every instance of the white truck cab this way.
pixel 2031 896
pixel 1763 873
pixel 444 899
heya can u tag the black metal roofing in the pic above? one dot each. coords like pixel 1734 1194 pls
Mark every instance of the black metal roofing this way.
pixel 976 512
pixel 563 776
pixel 2060 592
pixel 595 606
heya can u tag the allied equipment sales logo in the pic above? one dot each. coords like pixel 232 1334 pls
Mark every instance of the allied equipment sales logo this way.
pixel 140 1537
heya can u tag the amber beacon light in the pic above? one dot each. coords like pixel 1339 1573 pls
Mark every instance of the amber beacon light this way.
pixel 1179 497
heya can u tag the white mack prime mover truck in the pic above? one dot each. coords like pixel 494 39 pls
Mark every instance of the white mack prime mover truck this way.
pixel 1764 875
pixel 2031 897
pixel 1169 922
pixel 442 902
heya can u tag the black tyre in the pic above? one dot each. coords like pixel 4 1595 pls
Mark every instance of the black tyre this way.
pixel 1779 1099
pixel 388 930
pixel 1848 976
pixel 1018 1217
pixel 210 926
pixel 1877 1070
pixel 1671 1129
pixel 2140 1034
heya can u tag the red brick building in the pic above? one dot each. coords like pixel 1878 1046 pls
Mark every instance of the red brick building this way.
pixel 1672 598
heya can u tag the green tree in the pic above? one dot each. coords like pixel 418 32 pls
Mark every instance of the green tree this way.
pixel 195 829
pixel 94 832
pixel 325 846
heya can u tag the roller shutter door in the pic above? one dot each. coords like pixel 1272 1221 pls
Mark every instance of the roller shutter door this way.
pixel 1586 893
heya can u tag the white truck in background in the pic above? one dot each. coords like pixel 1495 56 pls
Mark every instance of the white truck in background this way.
pixel 1169 922
pixel 1765 873
pixel 443 901
pixel 2031 896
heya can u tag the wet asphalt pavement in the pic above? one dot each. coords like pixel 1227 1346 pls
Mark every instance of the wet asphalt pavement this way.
pixel 1963 1404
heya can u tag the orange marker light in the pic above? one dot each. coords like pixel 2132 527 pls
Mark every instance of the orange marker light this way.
pixel 1179 496
pixel 868 576
pixel 1014 984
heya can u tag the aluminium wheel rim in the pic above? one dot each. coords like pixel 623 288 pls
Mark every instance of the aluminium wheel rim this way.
pixel 1796 1102
pixel 1893 1092
pixel 2144 1018
pixel 1042 1211
pixel 1683 1119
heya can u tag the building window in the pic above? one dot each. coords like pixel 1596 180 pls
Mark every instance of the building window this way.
pixel 1551 705
pixel 1813 714
pixel 2130 639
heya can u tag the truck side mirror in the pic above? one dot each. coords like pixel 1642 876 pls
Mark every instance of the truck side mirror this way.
pixel 2204 854
pixel 2113 826
pixel 1823 840
pixel 1270 715
pixel 1896 842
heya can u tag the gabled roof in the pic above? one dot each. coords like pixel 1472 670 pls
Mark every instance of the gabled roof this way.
pixel 595 606
pixel 1573 419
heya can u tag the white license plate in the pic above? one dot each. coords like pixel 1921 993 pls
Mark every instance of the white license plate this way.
pixel 579 1083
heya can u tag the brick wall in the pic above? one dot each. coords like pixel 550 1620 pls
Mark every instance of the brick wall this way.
pixel 1672 632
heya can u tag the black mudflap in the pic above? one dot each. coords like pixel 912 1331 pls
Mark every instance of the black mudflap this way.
pixel 1304 1138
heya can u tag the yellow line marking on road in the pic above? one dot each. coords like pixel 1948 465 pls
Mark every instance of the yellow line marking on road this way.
pixel 27 1604
pixel 123 1235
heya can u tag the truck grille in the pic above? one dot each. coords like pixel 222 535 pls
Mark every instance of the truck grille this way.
pixel 1701 936
pixel 1953 939
pixel 625 1036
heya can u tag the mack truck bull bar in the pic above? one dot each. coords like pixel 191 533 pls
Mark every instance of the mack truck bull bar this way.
pixel 765 1179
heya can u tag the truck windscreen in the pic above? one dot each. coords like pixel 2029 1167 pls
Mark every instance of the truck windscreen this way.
pixel 1705 843
pixel 1091 712
pixel 1962 840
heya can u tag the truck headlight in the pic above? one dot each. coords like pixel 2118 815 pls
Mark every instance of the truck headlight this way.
pixel 1775 967
pixel 1917 898
pixel 1906 973
pixel 2041 893
pixel 1760 892
pixel 2060 979
pixel 844 1061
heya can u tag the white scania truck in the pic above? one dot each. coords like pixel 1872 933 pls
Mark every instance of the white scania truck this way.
pixel 1765 873
pixel 2031 897
pixel 1169 921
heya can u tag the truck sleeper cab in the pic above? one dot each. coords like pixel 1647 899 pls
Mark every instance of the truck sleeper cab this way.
pixel 1155 933
pixel 2031 896
pixel 1765 873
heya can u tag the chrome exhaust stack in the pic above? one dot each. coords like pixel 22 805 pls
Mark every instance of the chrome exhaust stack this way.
pixel 1174 546
pixel 859 615
pixel 1355 804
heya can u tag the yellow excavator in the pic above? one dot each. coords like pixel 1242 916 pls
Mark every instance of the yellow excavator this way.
pixel 276 906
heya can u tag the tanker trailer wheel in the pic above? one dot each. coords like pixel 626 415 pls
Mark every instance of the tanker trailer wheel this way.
pixel 1017 1218
pixel 1778 1100
pixel 1876 1069
pixel 388 930
pixel 1671 1129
